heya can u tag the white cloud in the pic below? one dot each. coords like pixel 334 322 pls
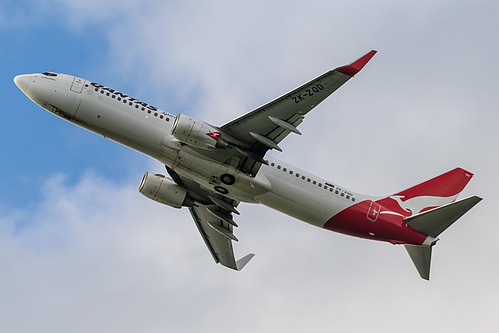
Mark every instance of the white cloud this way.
pixel 97 256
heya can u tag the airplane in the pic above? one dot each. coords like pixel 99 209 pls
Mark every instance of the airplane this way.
pixel 212 169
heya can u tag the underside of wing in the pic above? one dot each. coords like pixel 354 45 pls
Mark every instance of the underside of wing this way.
pixel 265 127
pixel 212 214
pixel 218 236
pixel 215 234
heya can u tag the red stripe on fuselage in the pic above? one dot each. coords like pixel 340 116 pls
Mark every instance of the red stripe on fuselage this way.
pixel 389 227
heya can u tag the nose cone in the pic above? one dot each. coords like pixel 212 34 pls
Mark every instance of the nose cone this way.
pixel 22 81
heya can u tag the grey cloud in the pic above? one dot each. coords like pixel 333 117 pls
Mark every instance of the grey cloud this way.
pixel 425 104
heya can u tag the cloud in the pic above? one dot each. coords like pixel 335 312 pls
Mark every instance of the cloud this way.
pixel 94 255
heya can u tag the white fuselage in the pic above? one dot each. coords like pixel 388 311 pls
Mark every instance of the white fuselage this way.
pixel 147 129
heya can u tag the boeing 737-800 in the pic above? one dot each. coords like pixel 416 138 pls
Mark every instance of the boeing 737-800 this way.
pixel 214 168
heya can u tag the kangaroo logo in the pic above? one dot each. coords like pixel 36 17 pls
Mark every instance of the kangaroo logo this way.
pixel 416 205
pixel 214 135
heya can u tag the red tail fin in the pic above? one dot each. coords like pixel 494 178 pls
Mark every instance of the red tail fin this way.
pixel 432 193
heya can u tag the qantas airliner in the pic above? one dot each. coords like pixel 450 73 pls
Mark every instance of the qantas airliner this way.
pixel 214 168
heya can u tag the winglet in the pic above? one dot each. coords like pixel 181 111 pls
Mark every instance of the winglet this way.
pixel 357 65
pixel 243 261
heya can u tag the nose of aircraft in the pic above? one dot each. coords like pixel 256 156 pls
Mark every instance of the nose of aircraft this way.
pixel 22 81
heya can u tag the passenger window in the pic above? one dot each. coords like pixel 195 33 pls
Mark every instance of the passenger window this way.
pixel 309 180
pixel 119 98
pixel 272 164
pixel 279 167
pixel 284 169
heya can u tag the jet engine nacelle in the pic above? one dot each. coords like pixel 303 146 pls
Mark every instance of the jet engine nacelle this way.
pixel 164 190
pixel 194 132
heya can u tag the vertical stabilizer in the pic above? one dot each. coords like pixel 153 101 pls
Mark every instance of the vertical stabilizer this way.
pixel 421 257
pixel 432 193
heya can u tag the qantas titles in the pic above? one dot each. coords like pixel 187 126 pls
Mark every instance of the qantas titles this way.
pixel 122 95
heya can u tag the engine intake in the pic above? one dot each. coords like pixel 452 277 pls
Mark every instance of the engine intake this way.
pixel 194 132
pixel 164 190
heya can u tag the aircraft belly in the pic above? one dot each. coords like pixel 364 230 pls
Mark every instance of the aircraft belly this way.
pixel 307 203
pixel 119 126
pixel 367 219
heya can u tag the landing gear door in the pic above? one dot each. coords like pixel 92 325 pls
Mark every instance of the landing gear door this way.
pixel 77 85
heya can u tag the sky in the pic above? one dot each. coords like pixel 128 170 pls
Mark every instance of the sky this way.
pixel 81 250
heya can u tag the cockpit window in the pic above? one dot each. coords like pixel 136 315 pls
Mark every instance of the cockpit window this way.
pixel 49 74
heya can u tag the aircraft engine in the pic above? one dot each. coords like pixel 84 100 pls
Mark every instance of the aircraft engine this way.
pixel 194 132
pixel 164 190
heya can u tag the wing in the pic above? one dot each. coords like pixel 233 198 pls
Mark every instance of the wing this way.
pixel 248 139
pixel 218 235
pixel 212 214
pixel 263 128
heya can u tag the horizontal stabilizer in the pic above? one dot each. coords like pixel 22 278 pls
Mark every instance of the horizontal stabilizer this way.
pixel 244 260
pixel 435 221
pixel 421 257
